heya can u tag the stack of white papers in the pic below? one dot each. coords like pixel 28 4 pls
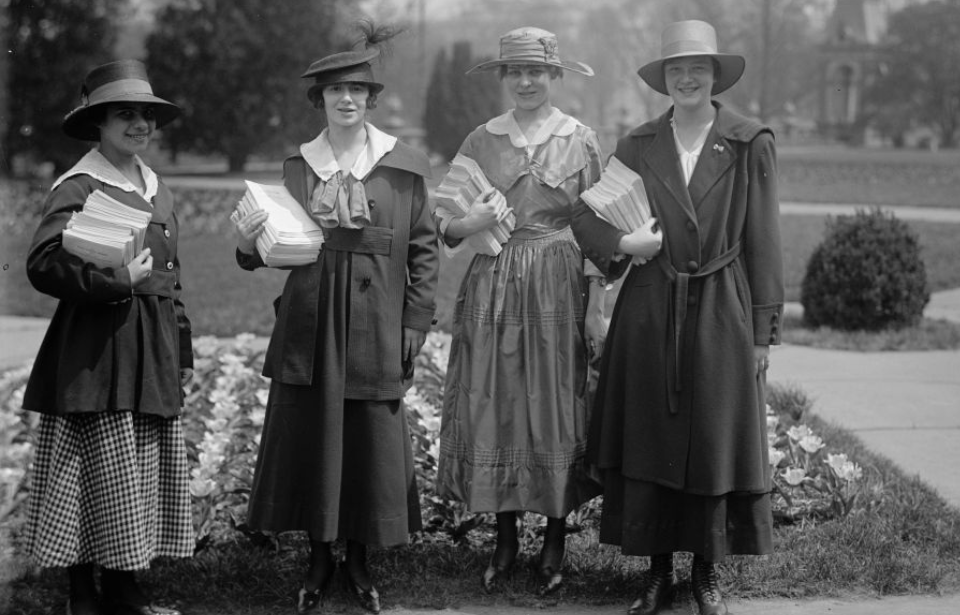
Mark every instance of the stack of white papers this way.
pixel 106 232
pixel 462 184
pixel 290 236
pixel 619 197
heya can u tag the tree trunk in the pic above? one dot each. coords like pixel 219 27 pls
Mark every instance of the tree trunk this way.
pixel 236 161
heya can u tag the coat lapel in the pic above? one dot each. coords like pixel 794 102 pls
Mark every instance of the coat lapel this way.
pixel 716 158
pixel 661 159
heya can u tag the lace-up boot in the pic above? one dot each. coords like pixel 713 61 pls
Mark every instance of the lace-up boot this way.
pixel 706 590
pixel 659 589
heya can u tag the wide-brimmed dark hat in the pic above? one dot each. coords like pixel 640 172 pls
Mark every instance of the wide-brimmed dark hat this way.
pixel 345 67
pixel 531 46
pixel 692 38
pixel 121 81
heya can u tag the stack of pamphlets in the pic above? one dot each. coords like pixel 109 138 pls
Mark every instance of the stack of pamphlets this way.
pixel 619 197
pixel 106 232
pixel 290 237
pixel 463 183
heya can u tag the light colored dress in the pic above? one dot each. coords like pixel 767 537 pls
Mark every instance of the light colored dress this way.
pixel 514 426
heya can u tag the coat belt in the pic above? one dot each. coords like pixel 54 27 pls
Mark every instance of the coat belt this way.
pixel 681 287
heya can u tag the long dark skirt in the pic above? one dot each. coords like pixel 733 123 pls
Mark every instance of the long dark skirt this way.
pixel 644 518
pixel 344 472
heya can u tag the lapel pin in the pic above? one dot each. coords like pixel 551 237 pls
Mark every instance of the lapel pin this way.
pixel 718 147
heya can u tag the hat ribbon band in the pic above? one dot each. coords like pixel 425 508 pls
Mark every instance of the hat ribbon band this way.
pixel 687 48
pixel 118 89
pixel 526 51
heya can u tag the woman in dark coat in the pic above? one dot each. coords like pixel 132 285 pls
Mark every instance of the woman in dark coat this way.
pixel 679 427
pixel 335 459
pixel 110 480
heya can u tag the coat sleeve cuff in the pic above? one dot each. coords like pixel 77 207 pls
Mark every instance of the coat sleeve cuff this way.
pixel 249 261
pixel 418 318
pixel 767 324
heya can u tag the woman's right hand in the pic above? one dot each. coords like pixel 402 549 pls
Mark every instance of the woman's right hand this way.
pixel 487 211
pixel 140 267
pixel 644 241
pixel 249 228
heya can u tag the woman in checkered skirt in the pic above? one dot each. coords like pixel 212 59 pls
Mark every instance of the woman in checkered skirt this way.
pixel 110 480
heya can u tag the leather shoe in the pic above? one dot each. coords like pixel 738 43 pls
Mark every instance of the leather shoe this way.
pixel 369 599
pixel 659 589
pixel 706 590
pixel 311 600
pixel 494 574
pixel 551 565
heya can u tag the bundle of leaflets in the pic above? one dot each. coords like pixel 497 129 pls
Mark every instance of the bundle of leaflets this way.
pixel 619 197
pixel 290 236
pixel 462 184
pixel 106 232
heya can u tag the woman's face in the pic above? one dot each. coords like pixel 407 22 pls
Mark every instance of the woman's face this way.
pixel 689 81
pixel 345 103
pixel 127 128
pixel 528 85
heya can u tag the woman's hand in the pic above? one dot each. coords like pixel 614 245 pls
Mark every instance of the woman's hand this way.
pixel 140 267
pixel 761 358
pixel 249 228
pixel 644 242
pixel 413 340
pixel 186 376
pixel 595 321
pixel 487 211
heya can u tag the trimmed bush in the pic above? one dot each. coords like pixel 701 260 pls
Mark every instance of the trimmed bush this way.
pixel 867 274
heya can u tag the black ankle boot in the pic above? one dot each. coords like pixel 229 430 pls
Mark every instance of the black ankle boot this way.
pixel 659 587
pixel 706 590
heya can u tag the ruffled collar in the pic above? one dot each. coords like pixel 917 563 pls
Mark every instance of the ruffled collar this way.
pixel 320 157
pixel 98 167
pixel 558 124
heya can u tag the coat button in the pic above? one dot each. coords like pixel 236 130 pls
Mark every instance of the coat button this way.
pixel 693 266
pixel 166 232
pixel 169 265
pixel 691 226
pixel 365 283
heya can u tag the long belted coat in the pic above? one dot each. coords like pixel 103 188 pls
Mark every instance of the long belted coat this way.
pixel 679 402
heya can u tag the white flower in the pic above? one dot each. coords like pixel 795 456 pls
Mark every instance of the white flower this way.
pixel 202 487
pixel 799 432
pixel 257 415
pixel 811 443
pixel 206 346
pixel 776 456
pixel 262 396
pixel 844 469
pixel 794 476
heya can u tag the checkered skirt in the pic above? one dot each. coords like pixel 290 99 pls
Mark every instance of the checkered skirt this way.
pixel 109 488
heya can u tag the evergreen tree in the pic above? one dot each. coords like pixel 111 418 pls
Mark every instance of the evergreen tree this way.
pixel 234 67
pixel 52 45
pixel 457 103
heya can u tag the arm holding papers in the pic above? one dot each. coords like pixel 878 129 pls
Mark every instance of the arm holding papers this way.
pixel 270 222
pixel 471 209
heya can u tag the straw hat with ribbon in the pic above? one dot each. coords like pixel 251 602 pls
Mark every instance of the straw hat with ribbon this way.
pixel 692 38
pixel 121 81
pixel 531 46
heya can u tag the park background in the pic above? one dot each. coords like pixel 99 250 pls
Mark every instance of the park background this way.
pixel 862 94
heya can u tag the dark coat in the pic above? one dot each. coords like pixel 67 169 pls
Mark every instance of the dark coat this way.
pixel 108 347
pixel 679 401
pixel 384 276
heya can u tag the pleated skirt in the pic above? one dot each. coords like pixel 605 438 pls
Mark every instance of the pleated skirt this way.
pixel 335 472
pixel 109 488
pixel 645 518
pixel 514 423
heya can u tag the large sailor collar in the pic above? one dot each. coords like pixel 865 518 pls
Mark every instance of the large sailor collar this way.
pixel 548 159
pixel 98 167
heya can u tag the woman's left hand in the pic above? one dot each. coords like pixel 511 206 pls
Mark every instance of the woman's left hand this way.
pixel 186 376
pixel 413 340
pixel 761 358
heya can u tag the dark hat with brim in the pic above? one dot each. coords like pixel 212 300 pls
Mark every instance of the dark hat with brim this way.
pixel 344 67
pixel 692 38
pixel 531 46
pixel 116 82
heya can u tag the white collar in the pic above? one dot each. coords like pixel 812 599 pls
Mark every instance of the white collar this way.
pixel 98 167
pixel 558 124
pixel 319 153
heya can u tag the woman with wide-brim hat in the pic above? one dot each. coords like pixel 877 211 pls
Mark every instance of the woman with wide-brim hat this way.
pixel 679 427
pixel 110 480
pixel 335 457
pixel 513 433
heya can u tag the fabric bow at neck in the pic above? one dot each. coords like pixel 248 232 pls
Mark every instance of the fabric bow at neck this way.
pixel 340 202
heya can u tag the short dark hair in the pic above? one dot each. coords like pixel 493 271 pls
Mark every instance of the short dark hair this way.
pixel 555 71
pixel 315 94
pixel 713 61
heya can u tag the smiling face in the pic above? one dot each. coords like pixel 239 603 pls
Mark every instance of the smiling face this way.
pixel 528 85
pixel 127 128
pixel 346 103
pixel 689 81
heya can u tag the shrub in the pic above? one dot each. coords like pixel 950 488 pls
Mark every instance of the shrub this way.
pixel 866 274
